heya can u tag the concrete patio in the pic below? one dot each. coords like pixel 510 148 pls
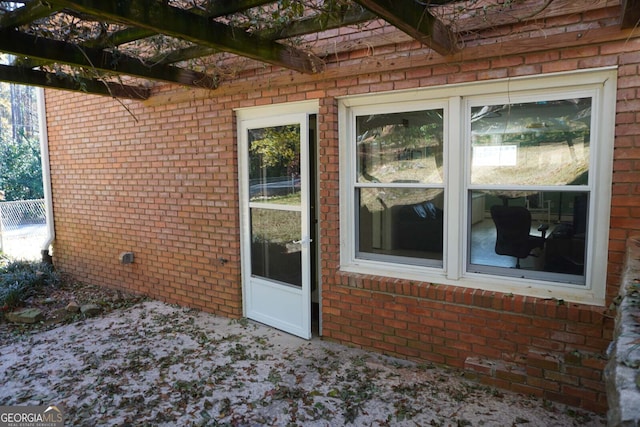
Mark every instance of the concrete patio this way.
pixel 158 364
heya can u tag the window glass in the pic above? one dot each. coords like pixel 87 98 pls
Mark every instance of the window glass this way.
pixel 401 222
pixel 541 143
pixel 400 147
pixel 399 187
pixel 430 185
pixel 532 232
pixel 529 232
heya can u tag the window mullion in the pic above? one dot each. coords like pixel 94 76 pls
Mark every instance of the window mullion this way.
pixel 455 156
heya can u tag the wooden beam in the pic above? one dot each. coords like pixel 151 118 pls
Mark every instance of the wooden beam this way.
pixel 131 34
pixel 21 44
pixel 25 76
pixel 311 24
pixel 26 14
pixel 319 22
pixel 215 10
pixel 175 22
pixel 630 14
pixel 183 54
pixel 414 18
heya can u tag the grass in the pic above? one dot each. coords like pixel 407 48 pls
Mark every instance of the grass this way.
pixel 274 225
pixel 20 280
pixel 292 199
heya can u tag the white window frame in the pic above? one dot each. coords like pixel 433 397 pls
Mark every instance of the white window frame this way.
pixel 455 100
pixel 402 108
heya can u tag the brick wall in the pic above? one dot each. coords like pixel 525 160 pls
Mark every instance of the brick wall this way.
pixel 160 182
pixel 160 179
pixel 542 347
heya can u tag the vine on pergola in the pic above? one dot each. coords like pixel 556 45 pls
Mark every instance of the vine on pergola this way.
pixel 266 21
pixel 116 48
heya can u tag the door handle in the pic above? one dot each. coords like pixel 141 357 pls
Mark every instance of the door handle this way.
pixel 303 241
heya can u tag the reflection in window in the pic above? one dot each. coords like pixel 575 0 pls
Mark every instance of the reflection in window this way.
pixel 400 147
pixel 399 186
pixel 522 147
pixel 529 231
pixel 401 222
pixel 274 255
pixel 274 181
pixel 274 164
pixel 541 143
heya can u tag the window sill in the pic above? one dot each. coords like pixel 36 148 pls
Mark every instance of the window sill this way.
pixel 509 285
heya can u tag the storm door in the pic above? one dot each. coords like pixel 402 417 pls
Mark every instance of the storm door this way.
pixel 275 208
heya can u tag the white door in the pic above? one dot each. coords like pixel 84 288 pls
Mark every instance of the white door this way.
pixel 275 232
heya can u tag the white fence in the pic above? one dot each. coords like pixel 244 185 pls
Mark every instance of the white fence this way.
pixel 23 228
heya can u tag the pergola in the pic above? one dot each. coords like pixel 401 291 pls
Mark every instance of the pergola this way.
pixel 116 48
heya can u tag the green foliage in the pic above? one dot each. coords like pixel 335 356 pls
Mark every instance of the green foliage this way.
pixel 289 10
pixel 20 280
pixel 20 167
pixel 21 171
pixel 278 148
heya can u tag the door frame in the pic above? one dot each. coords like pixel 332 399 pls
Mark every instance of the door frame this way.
pixel 266 116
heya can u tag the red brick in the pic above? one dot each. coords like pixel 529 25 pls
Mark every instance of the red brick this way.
pixel 563 378
pixel 478 365
pixel 189 149
pixel 566 337
pixel 543 360
pixel 579 393
pixel 562 398
pixel 512 375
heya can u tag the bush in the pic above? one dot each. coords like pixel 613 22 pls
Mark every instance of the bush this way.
pixel 20 280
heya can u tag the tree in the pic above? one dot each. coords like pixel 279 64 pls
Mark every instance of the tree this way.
pixel 24 113
pixel 21 170
pixel 5 112
pixel 278 148
pixel 20 167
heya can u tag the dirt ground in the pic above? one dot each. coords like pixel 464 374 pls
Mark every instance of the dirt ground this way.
pixel 146 363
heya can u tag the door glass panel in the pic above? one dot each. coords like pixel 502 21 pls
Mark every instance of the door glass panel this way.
pixel 274 181
pixel 541 143
pixel 274 255
pixel 274 165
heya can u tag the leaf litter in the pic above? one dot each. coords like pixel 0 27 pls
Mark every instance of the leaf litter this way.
pixel 156 364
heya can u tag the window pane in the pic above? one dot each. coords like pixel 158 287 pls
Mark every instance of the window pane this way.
pixel 529 232
pixel 400 147
pixel 541 143
pixel 273 253
pixel 274 165
pixel 401 222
